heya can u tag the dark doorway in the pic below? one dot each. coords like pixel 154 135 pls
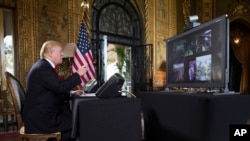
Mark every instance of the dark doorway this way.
pixel 237 29
pixel 234 72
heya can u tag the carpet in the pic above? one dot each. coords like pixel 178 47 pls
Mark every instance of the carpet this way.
pixel 9 136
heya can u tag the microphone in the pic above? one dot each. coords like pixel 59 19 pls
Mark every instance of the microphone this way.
pixel 128 94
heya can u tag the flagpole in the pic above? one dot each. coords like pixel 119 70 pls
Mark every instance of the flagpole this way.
pixel 86 15
pixel 83 54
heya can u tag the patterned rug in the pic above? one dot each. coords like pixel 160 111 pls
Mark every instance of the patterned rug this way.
pixel 9 136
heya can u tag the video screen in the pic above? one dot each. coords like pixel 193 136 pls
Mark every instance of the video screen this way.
pixel 197 58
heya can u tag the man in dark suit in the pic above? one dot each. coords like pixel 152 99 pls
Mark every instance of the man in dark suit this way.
pixel 44 108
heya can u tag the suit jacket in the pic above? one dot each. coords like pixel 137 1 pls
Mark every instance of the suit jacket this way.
pixel 44 108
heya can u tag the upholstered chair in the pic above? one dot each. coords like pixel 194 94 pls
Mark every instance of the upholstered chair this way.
pixel 18 96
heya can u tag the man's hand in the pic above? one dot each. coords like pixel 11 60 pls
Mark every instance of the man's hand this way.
pixel 77 92
pixel 82 70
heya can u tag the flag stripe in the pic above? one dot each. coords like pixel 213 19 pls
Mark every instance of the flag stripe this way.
pixel 89 62
pixel 83 56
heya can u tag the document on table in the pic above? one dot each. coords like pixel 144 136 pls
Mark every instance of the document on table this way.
pixel 88 95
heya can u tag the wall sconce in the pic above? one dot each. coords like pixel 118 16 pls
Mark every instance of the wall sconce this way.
pixel 85 5
pixel 236 34
pixel 236 40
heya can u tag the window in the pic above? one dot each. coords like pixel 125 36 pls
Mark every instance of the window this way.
pixel 7 44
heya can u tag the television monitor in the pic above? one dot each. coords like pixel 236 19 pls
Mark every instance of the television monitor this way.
pixel 199 57
pixel 112 87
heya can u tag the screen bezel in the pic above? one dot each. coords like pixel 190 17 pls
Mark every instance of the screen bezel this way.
pixel 224 50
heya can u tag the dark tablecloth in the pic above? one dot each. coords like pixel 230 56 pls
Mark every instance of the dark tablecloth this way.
pixel 192 117
pixel 117 119
pixel 74 107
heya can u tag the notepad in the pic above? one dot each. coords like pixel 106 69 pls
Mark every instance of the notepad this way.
pixel 88 95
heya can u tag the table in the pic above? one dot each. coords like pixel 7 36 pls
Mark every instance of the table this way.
pixel 106 119
pixel 192 117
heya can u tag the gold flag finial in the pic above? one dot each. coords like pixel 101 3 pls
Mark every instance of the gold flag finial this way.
pixel 85 5
pixel 86 15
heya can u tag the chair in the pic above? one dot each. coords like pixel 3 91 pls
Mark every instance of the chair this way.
pixel 18 95
pixel 6 112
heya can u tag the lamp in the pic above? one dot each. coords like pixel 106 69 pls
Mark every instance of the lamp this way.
pixel 65 68
pixel 69 50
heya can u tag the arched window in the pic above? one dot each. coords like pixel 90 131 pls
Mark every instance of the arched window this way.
pixel 7 55
pixel 119 23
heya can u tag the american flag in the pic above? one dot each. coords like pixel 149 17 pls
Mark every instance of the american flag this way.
pixel 83 55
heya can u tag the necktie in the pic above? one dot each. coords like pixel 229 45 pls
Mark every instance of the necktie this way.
pixel 56 70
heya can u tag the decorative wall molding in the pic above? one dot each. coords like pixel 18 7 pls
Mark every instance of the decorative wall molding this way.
pixel 206 10
pixel 186 5
pixel 75 17
pixel 8 3
pixel 26 37
pixel 239 9
pixel 149 21
pixel 164 26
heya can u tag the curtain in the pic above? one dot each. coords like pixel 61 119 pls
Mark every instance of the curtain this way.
pixel 242 53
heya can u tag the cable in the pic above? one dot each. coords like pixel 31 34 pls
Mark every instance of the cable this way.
pixel 131 94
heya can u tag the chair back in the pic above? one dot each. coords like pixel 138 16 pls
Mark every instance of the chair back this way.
pixel 18 96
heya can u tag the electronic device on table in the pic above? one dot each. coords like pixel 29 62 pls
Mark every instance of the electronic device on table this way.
pixel 199 57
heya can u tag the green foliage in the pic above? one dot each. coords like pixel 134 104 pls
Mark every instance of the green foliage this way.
pixel 120 50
